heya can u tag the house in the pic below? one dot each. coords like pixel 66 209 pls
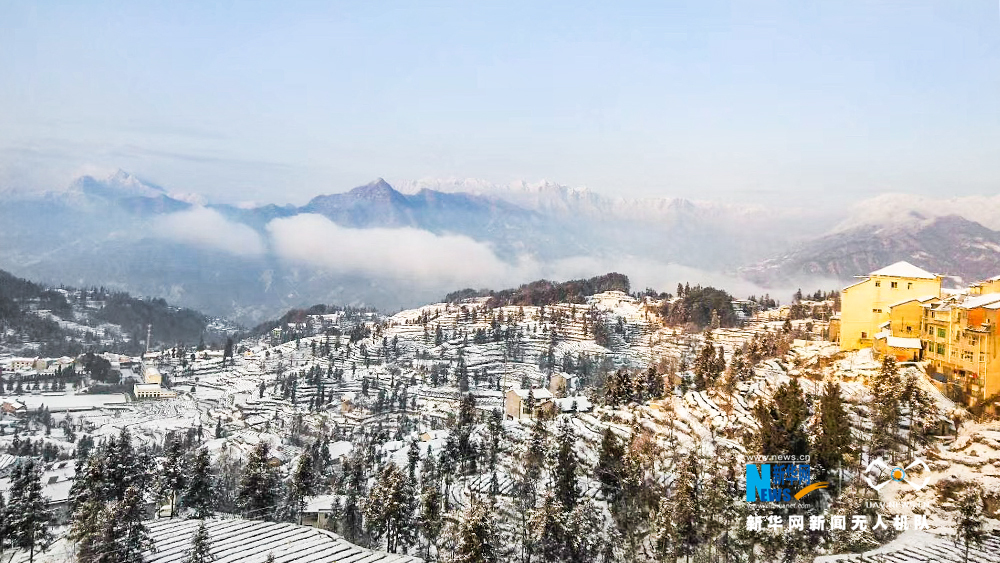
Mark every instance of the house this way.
pixel 318 509
pixel 26 364
pixel 961 348
pixel 902 348
pixel 834 328
pixel 865 305
pixel 12 406
pixel 578 403
pixel 561 383
pixel 152 391
pixel 516 403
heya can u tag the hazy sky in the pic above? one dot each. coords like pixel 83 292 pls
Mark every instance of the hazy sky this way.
pixel 766 101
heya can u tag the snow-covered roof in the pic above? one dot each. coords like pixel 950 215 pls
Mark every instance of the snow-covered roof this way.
pixel 903 269
pixel 583 404
pixel 921 299
pixel 980 301
pixel 540 393
pixel 340 449
pixel 319 503
pixel 901 342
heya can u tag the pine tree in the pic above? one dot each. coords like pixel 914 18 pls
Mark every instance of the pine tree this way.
pixel 609 465
pixel 257 497
pixel 969 527
pixel 5 519
pixel 130 535
pixel 654 384
pixel 87 500
pixel 478 537
pixel 782 422
pixel 28 509
pixel 585 532
pixel 199 494
pixel 303 483
pixel 389 508
pixel 354 480
pixel 686 506
pixel 549 525
pixel 201 549
pixel 122 468
pixel 566 465
pixel 431 519
pixel 887 390
pixel 173 473
pixel 833 437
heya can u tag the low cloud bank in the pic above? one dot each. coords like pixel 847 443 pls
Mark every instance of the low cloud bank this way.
pixel 207 228
pixel 448 262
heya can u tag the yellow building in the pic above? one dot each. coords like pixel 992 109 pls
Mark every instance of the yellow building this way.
pixel 984 287
pixel 961 347
pixel 864 306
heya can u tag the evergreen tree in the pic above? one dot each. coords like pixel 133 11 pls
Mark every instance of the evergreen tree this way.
pixel 782 422
pixel 121 468
pixel 686 507
pixel 303 483
pixel 833 437
pixel 173 473
pixel 431 518
pixel 887 391
pixel 199 494
pixel 549 523
pixel 5 519
pixel 566 465
pixel 258 490
pixel 355 480
pixel 969 526
pixel 389 508
pixel 654 384
pixel 609 465
pixel 28 513
pixel 478 538
pixel 129 535
pixel 201 549
pixel 87 499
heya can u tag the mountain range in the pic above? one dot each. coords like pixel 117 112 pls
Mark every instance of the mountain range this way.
pixel 386 247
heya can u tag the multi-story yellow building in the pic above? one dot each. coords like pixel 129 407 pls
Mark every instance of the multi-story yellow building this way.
pixel 864 306
pixel 961 347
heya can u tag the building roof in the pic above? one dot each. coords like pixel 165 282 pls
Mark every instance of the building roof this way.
pixel 921 299
pixel 540 393
pixel 901 342
pixel 980 301
pixel 903 269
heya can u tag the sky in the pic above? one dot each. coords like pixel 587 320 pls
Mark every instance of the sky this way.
pixel 764 102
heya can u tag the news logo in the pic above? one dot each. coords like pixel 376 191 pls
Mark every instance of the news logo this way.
pixel 780 479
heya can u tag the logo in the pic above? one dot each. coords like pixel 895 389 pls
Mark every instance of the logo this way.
pixel 775 482
pixel 876 469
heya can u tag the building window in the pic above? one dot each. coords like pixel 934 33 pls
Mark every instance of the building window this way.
pixel 876 310
pixel 909 329
pixel 940 349
pixel 909 285
pixel 878 284
pixel 941 333
pixel 864 335
pixel 893 285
